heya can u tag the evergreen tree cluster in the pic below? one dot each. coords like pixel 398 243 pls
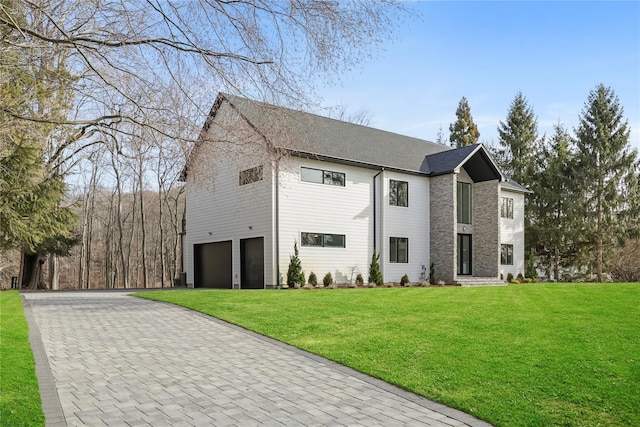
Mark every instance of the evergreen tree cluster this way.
pixel 585 184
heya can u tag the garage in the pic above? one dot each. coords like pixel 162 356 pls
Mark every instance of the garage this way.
pixel 252 263
pixel 213 265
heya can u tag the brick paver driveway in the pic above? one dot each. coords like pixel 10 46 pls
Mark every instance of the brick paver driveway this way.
pixel 117 360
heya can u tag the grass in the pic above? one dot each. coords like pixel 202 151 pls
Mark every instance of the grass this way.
pixel 20 403
pixel 524 355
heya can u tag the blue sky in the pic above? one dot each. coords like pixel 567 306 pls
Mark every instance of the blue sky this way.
pixel 553 52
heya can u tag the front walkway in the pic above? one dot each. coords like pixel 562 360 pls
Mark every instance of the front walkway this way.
pixel 117 360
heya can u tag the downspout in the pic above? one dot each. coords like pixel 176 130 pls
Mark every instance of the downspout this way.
pixel 277 224
pixel 374 209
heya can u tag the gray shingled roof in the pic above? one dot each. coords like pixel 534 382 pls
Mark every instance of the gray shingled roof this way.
pixel 314 136
pixel 324 137
pixel 446 161
pixel 512 185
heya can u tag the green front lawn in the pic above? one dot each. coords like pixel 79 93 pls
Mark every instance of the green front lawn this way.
pixel 20 403
pixel 523 355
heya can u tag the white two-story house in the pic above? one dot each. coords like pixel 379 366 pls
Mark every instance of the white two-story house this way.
pixel 262 178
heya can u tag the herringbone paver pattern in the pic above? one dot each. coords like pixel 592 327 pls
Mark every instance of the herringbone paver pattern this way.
pixel 117 360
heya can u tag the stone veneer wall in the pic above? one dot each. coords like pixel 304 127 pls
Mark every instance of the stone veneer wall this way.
pixel 443 226
pixel 486 230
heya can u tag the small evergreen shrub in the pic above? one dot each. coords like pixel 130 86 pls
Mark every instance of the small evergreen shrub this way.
pixel 328 279
pixel 509 277
pixel 432 273
pixel 501 276
pixel 520 277
pixel 404 281
pixel 295 273
pixel 359 280
pixel 313 279
pixel 375 275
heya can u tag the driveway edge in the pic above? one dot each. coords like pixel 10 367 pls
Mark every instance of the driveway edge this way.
pixel 53 415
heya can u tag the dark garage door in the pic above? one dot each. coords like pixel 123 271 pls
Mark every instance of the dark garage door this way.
pixel 212 265
pixel 252 263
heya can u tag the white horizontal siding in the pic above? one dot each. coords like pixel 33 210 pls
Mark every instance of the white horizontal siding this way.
pixel 217 207
pixel 321 208
pixel 411 222
pixel 512 233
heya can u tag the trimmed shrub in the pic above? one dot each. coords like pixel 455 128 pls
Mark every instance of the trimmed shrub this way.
pixel 501 276
pixel 509 277
pixel 313 279
pixel 295 273
pixel 359 280
pixel 520 277
pixel 404 281
pixel 328 279
pixel 432 273
pixel 375 275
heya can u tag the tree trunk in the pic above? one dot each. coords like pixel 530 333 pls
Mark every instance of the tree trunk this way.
pixel 54 272
pixel 599 234
pixel 31 272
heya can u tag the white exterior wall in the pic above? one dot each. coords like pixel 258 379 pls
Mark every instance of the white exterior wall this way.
pixel 217 207
pixel 411 222
pixel 512 233
pixel 321 208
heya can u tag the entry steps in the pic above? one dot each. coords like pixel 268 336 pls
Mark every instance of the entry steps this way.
pixel 479 281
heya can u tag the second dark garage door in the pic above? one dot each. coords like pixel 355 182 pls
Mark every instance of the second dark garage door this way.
pixel 252 263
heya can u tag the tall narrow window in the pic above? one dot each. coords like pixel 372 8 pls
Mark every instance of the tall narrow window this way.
pixel 506 207
pixel 398 193
pixel 398 249
pixel 506 254
pixel 464 203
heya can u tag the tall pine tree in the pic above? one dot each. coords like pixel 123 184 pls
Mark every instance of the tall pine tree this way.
pixel 464 131
pixel 551 232
pixel 604 160
pixel 517 138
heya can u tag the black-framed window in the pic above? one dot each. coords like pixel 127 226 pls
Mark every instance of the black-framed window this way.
pixel 465 198
pixel 320 176
pixel 506 207
pixel 398 193
pixel 323 240
pixel 506 254
pixel 398 249
pixel 248 176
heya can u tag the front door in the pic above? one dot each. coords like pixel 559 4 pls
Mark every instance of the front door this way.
pixel 464 254
pixel 252 263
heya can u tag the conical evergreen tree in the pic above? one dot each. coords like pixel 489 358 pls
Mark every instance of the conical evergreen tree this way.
pixel 295 275
pixel 464 131
pixel 551 233
pixel 518 138
pixel 604 160
pixel 375 275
